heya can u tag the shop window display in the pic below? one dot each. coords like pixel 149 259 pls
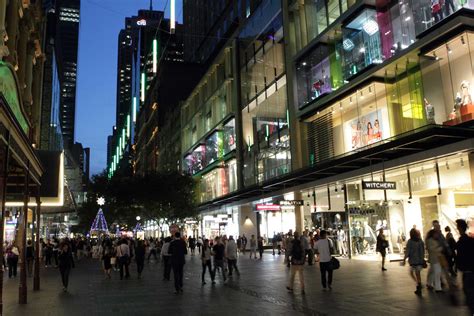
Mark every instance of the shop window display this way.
pixel 219 181
pixel 449 67
pixel 309 18
pixel 314 75
pixel 361 44
pixel 266 138
pixel 357 121
pixel 229 136
pixel 195 161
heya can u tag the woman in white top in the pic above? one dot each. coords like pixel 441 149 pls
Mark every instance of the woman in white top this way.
pixel 323 249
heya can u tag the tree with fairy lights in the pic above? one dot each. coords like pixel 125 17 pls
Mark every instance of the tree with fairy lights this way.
pixel 99 225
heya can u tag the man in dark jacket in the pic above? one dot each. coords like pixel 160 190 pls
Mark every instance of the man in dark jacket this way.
pixel 465 262
pixel 177 250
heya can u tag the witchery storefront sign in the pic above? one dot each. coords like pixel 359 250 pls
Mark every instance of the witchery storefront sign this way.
pixel 379 185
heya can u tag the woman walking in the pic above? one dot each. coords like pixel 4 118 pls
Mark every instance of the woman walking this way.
pixel 65 263
pixel 415 252
pixel 434 248
pixel 297 255
pixel 381 247
pixel 206 260
pixel 323 248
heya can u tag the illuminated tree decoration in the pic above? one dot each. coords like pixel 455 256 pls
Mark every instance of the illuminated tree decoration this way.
pixel 99 225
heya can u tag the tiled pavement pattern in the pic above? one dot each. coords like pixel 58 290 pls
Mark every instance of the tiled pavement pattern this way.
pixel 359 288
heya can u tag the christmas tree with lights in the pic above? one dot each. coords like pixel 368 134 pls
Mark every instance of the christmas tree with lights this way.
pixel 99 225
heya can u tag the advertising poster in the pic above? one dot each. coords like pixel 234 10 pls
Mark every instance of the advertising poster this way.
pixel 364 130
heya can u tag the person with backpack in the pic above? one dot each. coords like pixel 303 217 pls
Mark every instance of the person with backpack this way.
pixel 297 256
pixel 323 248
pixel 12 260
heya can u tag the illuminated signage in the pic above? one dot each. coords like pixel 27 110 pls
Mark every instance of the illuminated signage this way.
pixel 141 22
pixel 292 203
pixel 268 207
pixel 379 185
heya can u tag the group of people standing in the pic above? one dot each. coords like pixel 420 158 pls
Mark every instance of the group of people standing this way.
pixel 445 257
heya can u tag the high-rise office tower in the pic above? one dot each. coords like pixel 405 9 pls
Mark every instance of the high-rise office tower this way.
pixel 66 47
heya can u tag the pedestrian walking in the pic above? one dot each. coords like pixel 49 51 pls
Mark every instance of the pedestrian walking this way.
pixel 451 258
pixel 192 245
pixel 123 256
pixel 48 253
pixel 107 261
pixel 381 247
pixel 305 242
pixel 30 257
pixel 239 244
pixel 297 257
pixel 65 263
pixel 465 262
pixel 199 244
pixel 434 249
pixel 55 251
pixel 218 251
pixel 253 247
pixel 244 243
pixel 260 246
pixel 415 252
pixel 12 260
pixel 231 254
pixel 288 243
pixel 152 250
pixel 323 249
pixel 206 261
pixel 166 259
pixel 177 249
pixel 140 257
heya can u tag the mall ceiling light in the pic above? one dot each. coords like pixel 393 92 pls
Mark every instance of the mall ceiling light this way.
pixel 348 44
pixel 370 27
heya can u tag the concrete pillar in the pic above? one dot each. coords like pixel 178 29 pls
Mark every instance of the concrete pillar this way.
pixel 247 221
pixel 299 213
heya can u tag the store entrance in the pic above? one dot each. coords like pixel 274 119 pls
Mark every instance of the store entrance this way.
pixel 367 218
pixel 429 212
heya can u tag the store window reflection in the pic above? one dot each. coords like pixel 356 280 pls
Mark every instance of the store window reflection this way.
pixel 219 181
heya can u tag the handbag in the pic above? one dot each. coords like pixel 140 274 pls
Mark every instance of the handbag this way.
pixel 425 265
pixel 113 260
pixel 334 263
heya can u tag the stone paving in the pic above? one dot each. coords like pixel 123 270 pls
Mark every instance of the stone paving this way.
pixel 359 288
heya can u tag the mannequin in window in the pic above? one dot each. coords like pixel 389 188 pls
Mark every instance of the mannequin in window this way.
pixel 341 241
pixel 447 5
pixel 436 10
pixel 401 238
pixel 430 112
pixel 455 113
pixel 369 236
pixel 466 93
pixel 377 133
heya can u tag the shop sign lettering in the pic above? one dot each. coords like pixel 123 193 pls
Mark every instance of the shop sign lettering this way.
pixel 268 207
pixel 379 185
pixel 291 203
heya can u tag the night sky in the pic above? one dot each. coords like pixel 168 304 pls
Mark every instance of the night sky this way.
pixel 101 21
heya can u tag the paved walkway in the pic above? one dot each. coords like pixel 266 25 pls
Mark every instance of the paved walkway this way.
pixel 359 288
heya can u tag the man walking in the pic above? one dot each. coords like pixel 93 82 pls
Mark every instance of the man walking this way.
pixel 231 253
pixel 123 255
pixel 465 262
pixel 177 250
pixel 218 251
